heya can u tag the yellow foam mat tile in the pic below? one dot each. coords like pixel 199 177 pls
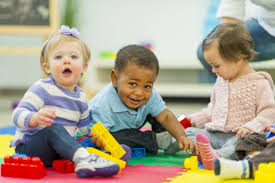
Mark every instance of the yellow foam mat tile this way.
pixel 5 149
pixel 202 175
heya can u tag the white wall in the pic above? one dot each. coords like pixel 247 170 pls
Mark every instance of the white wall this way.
pixel 174 27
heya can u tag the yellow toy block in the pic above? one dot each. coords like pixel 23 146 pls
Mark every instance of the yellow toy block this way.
pixel 265 173
pixel 120 162
pixel 191 163
pixel 111 145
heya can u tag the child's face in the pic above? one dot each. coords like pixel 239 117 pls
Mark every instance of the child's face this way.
pixel 66 64
pixel 134 84
pixel 228 70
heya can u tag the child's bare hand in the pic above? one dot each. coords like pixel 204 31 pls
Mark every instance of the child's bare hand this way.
pixel 272 139
pixel 186 143
pixel 43 117
pixel 241 131
pixel 267 127
pixel 95 139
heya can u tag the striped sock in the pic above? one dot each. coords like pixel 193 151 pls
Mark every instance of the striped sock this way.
pixel 208 155
pixel 229 169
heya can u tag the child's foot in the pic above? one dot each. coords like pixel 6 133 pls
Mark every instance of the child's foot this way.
pixel 93 165
pixel 164 140
pixel 230 169
pixel 172 149
pixel 208 155
pixel 127 156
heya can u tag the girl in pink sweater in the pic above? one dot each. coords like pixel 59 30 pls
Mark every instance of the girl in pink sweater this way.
pixel 242 100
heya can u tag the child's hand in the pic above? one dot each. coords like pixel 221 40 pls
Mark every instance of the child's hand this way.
pixel 186 143
pixel 43 117
pixel 241 131
pixel 272 139
pixel 267 127
pixel 95 139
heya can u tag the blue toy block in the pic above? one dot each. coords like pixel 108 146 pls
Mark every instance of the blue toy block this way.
pixel 270 134
pixel 87 143
pixel 19 155
pixel 138 152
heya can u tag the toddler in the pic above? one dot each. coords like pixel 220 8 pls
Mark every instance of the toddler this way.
pixel 242 100
pixel 51 108
pixel 130 100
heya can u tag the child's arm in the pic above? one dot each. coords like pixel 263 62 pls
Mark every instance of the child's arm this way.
pixel 30 112
pixel 199 119
pixel 169 121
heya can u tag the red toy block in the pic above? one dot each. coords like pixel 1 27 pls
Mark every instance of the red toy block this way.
pixel 63 165
pixel 184 121
pixel 26 167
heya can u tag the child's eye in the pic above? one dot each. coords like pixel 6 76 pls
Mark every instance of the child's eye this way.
pixel 74 57
pixel 58 57
pixel 216 66
pixel 133 84
pixel 147 86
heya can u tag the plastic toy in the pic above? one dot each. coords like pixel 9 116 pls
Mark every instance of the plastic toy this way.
pixel 18 154
pixel 111 145
pixel 184 121
pixel 63 165
pixel 121 163
pixel 26 167
pixel 86 142
pixel 138 152
pixel 270 134
pixel 191 163
pixel 265 173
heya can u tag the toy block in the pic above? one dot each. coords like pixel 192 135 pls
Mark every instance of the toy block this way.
pixel 191 163
pixel 138 152
pixel 111 145
pixel 184 121
pixel 18 154
pixel 26 167
pixel 86 142
pixel 265 173
pixel 270 134
pixel 121 163
pixel 63 165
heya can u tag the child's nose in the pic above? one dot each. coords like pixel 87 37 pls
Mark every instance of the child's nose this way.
pixel 67 60
pixel 139 91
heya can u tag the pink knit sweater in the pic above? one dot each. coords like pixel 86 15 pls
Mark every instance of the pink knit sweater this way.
pixel 246 102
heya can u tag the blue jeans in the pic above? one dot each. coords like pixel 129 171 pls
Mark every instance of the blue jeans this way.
pixel 223 143
pixel 264 44
pixel 49 144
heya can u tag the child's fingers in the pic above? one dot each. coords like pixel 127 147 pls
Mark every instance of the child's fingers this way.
pixel 272 139
pixel 272 130
pixel 192 147
pixel 236 129
pixel 186 146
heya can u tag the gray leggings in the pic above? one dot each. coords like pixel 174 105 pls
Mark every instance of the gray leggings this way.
pixel 223 143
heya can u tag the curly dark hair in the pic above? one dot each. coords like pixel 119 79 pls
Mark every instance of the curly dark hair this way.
pixel 137 54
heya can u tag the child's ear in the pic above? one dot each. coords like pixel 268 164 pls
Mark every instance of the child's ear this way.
pixel 46 68
pixel 114 77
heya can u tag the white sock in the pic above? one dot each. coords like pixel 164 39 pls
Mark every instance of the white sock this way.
pixel 228 169
pixel 80 153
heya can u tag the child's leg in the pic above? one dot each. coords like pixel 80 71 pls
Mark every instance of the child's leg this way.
pixel 136 138
pixel 208 155
pixel 227 149
pixel 54 141
pixel 249 144
pixel 266 156
pixel 50 144
pixel 229 169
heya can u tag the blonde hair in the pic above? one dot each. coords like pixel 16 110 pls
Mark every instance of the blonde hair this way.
pixel 56 39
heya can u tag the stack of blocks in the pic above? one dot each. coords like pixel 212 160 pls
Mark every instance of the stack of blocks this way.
pixel 111 145
pixel 25 167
